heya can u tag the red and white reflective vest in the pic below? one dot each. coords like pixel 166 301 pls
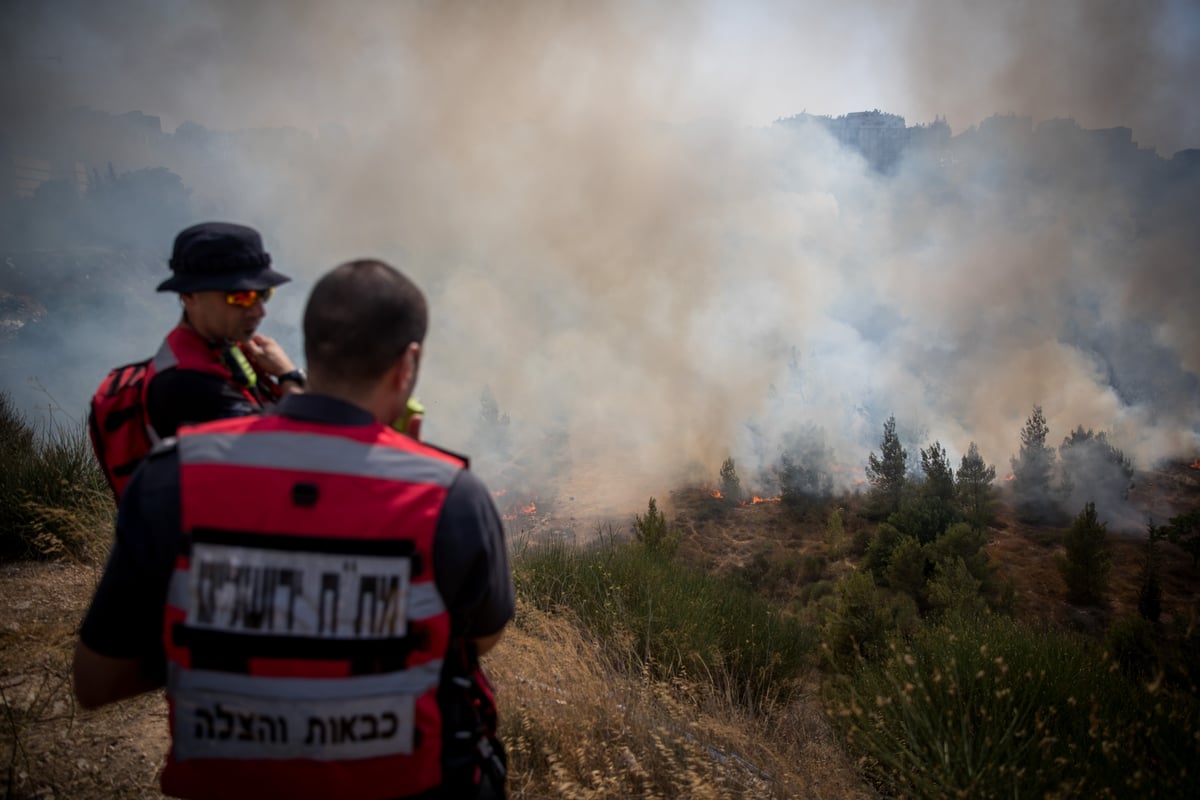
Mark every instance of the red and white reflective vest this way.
pixel 183 348
pixel 119 423
pixel 304 632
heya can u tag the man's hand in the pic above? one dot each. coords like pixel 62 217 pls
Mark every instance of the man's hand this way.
pixel 267 355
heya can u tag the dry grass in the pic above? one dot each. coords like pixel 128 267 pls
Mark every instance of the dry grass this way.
pixel 577 727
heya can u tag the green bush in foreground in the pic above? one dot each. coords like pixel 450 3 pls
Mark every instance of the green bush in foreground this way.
pixel 983 707
pixel 668 619
pixel 54 502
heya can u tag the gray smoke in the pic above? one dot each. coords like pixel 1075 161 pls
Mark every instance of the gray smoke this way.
pixel 637 265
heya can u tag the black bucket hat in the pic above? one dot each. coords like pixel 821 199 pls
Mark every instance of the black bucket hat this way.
pixel 220 256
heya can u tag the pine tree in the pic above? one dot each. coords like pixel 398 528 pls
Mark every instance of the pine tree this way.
pixel 887 473
pixel 731 485
pixel 1032 472
pixel 653 532
pixel 939 477
pixel 930 510
pixel 1092 469
pixel 973 489
pixel 1088 559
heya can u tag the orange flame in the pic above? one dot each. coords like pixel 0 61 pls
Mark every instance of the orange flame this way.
pixel 530 509
pixel 1195 463
pixel 500 493
pixel 1011 475
pixel 755 500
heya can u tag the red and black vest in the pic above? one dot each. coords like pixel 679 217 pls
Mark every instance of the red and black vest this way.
pixel 119 423
pixel 305 634
pixel 185 349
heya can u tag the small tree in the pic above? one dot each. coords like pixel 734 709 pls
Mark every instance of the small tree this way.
pixel 805 480
pixel 928 512
pixel 1086 565
pixel 1184 531
pixel 835 534
pixel 1150 591
pixel 973 489
pixel 1092 469
pixel 907 569
pixel 887 473
pixel 1032 472
pixel 731 486
pixel 653 532
pixel 492 434
pixel 939 477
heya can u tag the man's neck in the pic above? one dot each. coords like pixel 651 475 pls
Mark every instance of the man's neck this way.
pixel 219 341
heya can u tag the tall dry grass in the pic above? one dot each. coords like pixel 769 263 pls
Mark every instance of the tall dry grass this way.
pixel 629 674
pixel 577 725
pixel 54 502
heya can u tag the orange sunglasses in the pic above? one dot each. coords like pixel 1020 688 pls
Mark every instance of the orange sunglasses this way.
pixel 248 297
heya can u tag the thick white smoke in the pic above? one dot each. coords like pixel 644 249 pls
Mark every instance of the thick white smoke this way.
pixel 619 245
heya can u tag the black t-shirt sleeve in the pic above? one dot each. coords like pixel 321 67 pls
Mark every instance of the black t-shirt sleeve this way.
pixel 185 397
pixel 471 560
pixel 125 619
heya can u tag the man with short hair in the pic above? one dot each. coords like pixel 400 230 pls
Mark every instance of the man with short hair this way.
pixel 214 364
pixel 313 587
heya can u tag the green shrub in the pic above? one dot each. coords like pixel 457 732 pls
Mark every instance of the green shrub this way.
pixel 953 589
pixel 879 552
pixel 983 707
pixel 1150 589
pixel 54 502
pixel 906 569
pixel 813 592
pixel 668 618
pixel 864 620
pixel 1130 644
pixel 835 534
pixel 775 574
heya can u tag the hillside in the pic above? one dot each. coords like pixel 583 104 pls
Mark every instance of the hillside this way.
pixel 551 675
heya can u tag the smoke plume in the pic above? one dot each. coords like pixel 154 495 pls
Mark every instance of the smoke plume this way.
pixel 643 271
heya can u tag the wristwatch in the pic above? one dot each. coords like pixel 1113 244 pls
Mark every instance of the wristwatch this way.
pixel 296 376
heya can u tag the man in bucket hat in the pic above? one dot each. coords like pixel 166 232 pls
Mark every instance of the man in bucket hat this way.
pixel 214 364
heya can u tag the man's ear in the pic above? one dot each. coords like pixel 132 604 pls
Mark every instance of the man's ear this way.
pixel 412 364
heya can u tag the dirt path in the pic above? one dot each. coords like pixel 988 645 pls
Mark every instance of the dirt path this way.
pixel 48 747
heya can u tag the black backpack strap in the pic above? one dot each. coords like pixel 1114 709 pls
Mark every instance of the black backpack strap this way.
pixel 473 757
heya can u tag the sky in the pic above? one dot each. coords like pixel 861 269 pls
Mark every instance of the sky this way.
pixel 621 246
pixel 233 65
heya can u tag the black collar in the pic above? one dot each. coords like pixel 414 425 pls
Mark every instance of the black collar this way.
pixel 323 408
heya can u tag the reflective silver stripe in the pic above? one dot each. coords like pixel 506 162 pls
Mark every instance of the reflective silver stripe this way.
pixel 424 601
pixel 178 595
pixel 316 453
pixel 165 357
pixel 415 680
